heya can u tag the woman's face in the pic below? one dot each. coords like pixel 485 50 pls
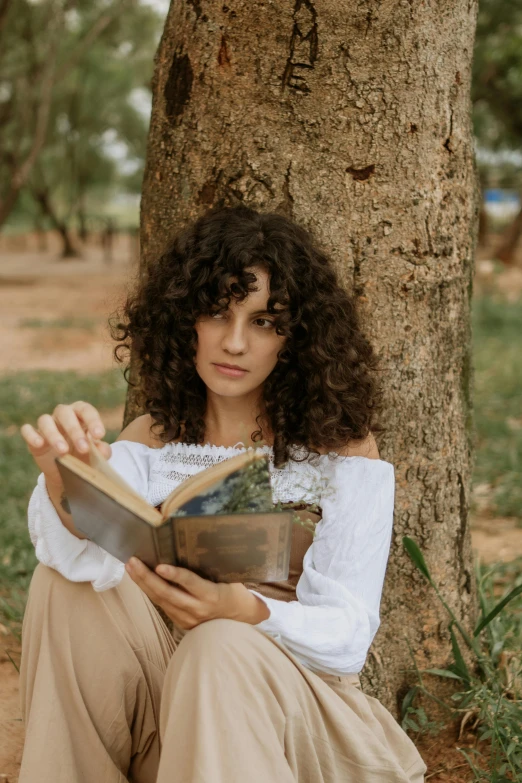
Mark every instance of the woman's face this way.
pixel 244 335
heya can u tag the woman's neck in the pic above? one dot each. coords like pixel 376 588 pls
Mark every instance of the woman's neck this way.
pixel 229 421
pixel 232 439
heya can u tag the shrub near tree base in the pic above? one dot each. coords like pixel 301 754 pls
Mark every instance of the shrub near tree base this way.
pixel 489 698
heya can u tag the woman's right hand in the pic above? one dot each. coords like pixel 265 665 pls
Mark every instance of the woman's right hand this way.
pixel 63 432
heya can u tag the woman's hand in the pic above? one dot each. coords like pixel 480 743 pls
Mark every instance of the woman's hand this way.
pixel 192 600
pixel 61 432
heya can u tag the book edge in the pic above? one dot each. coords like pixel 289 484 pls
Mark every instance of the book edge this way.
pixel 100 481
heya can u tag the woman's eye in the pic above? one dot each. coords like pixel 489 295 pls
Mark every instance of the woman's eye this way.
pixel 266 321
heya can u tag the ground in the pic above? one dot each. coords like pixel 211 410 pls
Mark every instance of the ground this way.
pixel 54 317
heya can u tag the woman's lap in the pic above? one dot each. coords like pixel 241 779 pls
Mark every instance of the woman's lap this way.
pixel 226 680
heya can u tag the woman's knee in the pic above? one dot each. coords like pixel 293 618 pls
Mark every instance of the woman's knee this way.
pixel 218 635
pixel 230 642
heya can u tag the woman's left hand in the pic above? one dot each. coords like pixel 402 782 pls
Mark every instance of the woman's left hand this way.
pixel 192 600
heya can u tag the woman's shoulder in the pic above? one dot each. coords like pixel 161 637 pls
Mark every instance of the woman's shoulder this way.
pixel 139 431
pixel 366 447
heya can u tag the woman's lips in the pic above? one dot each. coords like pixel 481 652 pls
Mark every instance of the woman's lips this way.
pixel 229 371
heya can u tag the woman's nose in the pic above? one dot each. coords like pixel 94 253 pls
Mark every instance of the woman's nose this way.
pixel 235 338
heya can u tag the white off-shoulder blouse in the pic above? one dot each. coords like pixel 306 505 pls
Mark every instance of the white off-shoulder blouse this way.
pixel 332 624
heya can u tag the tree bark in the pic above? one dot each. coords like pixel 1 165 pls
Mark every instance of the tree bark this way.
pixel 353 119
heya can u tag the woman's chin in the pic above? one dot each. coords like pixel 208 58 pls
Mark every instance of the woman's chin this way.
pixel 230 387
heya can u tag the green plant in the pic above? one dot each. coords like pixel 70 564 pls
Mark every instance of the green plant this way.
pixel 23 397
pixel 488 698
pixel 497 345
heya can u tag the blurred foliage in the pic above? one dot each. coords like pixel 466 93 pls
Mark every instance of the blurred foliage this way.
pixel 497 348
pixel 24 397
pixel 98 57
pixel 497 91
pixel 497 74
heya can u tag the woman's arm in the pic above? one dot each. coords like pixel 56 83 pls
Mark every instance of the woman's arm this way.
pixel 332 624
pixel 57 543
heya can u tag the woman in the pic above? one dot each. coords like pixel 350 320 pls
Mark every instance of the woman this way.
pixel 255 684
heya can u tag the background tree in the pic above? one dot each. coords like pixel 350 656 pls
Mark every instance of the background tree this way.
pixel 26 84
pixel 497 102
pixel 355 120
pixel 101 58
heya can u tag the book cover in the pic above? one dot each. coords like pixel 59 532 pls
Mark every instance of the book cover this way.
pixel 228 531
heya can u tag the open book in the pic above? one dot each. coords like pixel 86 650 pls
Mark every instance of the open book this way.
pixel 220 523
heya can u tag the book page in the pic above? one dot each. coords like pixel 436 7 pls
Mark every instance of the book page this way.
pixel 98 462
pixel 200 482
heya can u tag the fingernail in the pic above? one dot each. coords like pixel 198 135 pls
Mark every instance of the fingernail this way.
pixel 61 445
pixel 82 444
pixel 98 431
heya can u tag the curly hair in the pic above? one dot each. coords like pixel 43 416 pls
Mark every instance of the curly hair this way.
pixel 323 391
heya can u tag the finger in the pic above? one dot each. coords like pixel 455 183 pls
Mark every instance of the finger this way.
pixel 188 580
pixel 67 420
pixel 182 618
pixel 155 587
pixel 90 417
pixel 104 448
pixel 164 593
pixel 48 429
pixel 33 438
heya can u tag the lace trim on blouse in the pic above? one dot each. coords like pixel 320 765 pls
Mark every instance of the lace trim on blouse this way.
pixel 175 462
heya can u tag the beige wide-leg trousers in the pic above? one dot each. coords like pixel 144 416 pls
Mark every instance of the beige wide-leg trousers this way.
pixel 107 697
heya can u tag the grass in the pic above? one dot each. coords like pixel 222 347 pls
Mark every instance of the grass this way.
pixel 71 322
pixel 24 397
pixel 497 340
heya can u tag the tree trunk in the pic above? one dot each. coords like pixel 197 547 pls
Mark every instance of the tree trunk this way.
pixel 353 119
pixel 41 235
pixel 83 232
pixel 69 250
pixel 483 226
pixel 509 242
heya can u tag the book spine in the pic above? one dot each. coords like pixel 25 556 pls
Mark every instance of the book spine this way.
pixel 165 544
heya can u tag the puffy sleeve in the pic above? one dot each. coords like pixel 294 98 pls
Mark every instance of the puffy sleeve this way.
pixel 81 560
pixel 332 624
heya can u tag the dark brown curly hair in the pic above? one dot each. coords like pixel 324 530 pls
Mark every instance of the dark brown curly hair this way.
pixel 323 391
